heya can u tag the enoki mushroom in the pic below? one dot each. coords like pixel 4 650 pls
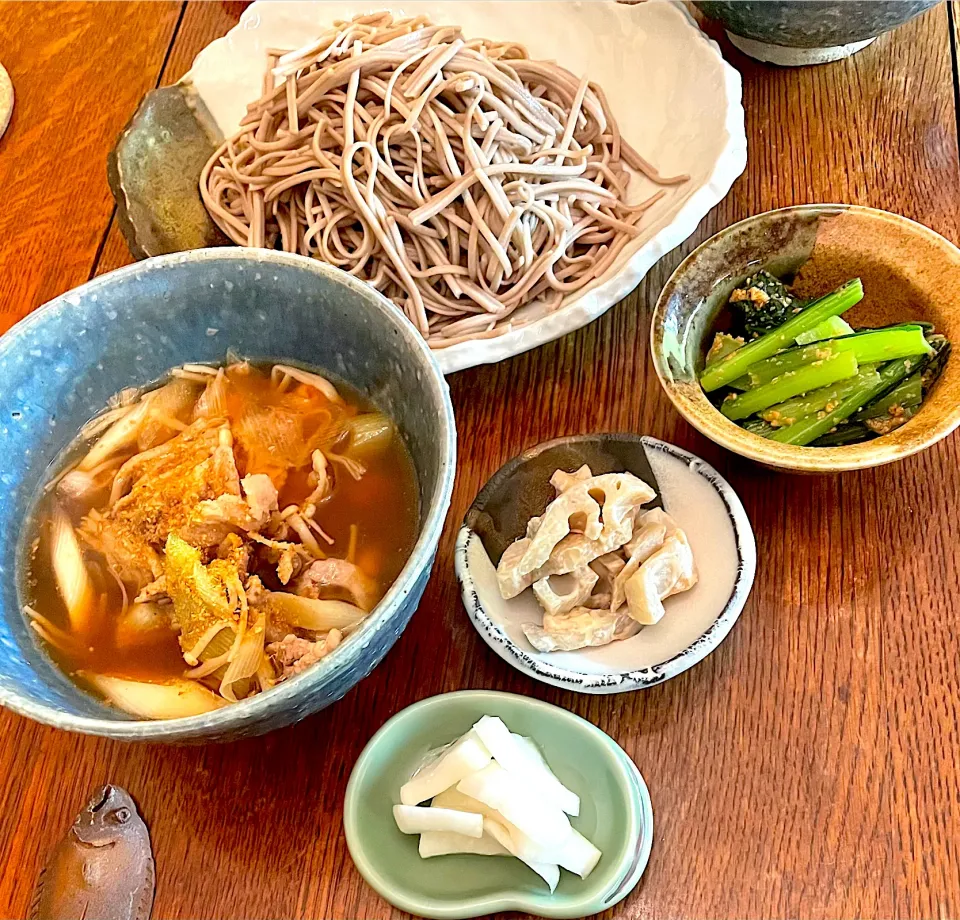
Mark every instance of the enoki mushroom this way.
pixel 458 177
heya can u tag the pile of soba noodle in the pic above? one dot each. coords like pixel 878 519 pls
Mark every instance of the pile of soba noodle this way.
pixel 171 527
pixel 458 177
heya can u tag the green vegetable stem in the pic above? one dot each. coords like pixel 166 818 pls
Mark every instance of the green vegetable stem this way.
pixel 815 426
pixel 907 393
pixel 828 329
pixel 847 433
pixel 810 377
pixel 869 347
pixel 722 345
pixel 824 398
pixel 735 364
pixel 758 426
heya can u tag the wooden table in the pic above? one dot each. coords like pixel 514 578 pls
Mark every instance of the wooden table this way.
pixel 810 767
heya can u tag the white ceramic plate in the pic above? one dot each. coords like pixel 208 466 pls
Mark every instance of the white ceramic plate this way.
pixel 696 622
pixel 676 100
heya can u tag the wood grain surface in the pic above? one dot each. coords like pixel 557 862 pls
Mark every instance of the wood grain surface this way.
pixel 809 768
pixel 78 72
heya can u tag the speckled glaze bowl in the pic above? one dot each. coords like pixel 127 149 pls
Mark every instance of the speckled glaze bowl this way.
pixel 908 272
pixel 59 366
pixel 797 32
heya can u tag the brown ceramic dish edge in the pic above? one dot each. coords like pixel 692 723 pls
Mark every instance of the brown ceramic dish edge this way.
pixel 782 240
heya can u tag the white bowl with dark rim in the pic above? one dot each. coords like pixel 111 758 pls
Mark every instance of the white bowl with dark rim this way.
pixel 695 623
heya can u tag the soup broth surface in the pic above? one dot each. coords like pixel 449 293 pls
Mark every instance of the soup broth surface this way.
pixel 225 460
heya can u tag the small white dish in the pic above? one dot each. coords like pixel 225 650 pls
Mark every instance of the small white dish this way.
pixel 675 98
pixel 696 622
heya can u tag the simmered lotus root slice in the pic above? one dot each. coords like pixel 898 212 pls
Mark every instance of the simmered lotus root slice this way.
pixel 572 552
pixel 637 559
pixel 607 567
pixel 509 579
pixel 561 480
pixel 572 512
pixel 649 534
pixel 579 628
pixel 575 550
pixel 648 527
pixel 600 508
pixel 582 581
pixel 668 571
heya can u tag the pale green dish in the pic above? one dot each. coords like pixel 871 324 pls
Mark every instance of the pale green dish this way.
pixel 615 813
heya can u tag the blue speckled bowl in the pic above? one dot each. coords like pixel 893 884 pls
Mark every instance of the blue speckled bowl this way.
pixel 60 365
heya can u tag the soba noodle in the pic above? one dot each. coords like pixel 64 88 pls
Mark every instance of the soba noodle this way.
pixel 458 177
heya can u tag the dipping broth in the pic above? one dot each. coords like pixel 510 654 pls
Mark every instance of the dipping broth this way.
pixel 209 538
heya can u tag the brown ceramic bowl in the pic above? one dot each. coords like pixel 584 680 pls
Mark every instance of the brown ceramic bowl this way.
pixel 908 271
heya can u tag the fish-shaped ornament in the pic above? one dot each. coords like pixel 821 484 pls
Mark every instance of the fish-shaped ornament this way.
pixel 103 868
